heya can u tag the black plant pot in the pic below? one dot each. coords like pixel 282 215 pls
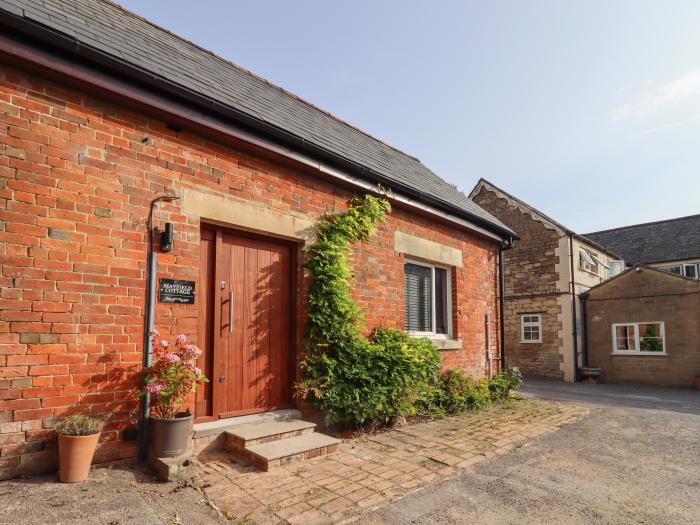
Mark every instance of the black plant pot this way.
pixel 170 437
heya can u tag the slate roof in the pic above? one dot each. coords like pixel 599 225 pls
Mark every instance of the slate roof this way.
pixel 654 242
pixel 132 40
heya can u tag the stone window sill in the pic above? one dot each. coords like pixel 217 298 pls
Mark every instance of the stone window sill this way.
pixel 658 354
pixel 441 343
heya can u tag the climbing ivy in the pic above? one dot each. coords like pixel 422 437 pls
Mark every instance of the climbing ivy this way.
pixel 359 381
pixel 352 379
pixel 334 318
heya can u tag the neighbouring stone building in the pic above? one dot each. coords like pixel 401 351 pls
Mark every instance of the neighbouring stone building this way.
pixel 547 269
pixel 103 113
pixel 643 327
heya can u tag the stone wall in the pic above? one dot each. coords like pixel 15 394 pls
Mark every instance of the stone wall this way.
pixel 645 296
pixel 531 282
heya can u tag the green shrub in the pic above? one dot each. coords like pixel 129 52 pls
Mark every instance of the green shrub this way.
pixel 372 382
pixel 503 383
pixel 456 392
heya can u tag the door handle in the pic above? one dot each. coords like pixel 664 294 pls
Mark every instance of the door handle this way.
pixel 230 312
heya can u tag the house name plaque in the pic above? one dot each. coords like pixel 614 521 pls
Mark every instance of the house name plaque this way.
pixel 176 291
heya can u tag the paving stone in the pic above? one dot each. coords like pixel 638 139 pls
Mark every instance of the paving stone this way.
pixel 371 470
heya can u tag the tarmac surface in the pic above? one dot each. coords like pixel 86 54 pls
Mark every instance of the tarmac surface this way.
pixel 635 459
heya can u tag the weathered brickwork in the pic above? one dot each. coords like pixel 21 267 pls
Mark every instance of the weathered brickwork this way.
pixel 531 279
pixel 76 178
pixel 648 295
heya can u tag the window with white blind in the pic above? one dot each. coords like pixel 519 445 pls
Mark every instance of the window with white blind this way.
pixel 428 299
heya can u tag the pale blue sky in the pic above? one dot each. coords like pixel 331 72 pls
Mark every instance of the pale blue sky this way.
pixel 588 110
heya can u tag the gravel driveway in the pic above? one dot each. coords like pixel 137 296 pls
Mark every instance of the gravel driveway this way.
pixel 636 459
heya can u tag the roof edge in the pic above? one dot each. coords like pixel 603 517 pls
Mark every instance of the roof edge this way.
pixel 536 214
pixel 637 267
pixel 96 57
pixel 662 221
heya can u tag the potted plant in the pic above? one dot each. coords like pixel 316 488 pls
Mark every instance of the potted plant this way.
pixel 77 441
pixel 172 377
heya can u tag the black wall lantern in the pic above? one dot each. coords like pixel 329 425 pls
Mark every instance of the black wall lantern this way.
pixel 166 238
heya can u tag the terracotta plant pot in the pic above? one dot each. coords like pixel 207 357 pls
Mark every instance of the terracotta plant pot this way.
pixel 697 383
pixel 170 437
pixel 75 455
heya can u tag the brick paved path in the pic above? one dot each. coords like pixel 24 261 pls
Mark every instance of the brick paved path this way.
pixel 375 469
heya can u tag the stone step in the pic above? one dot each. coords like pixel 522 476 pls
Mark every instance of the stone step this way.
pixel 220 426
pixel 275 453
pixel 245 436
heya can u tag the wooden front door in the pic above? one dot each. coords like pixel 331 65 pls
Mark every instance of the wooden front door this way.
pixel 247 317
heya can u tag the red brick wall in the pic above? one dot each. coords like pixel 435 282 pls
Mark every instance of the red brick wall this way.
pixel 76 179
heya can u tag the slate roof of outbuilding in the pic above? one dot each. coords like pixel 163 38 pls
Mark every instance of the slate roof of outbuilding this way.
pixel 133 40
pixel 653 242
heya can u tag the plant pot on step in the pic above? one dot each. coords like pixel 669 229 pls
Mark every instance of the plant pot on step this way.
pixel 77 441
pixel 170 437
pixel 171 379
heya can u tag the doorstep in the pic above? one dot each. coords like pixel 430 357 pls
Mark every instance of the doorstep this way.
pixel 265 440
pixel 212 428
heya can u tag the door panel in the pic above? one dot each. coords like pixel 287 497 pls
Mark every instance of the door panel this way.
pixel 252 333
pixel 207 265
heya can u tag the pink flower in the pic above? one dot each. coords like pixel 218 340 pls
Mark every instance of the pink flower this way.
pixel 164 343
pixel 193 351
pixel 171 358
pixel 197 370
pixel 154 388
pixel 181 339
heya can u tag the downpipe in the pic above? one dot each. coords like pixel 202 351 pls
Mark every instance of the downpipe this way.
pixel 149 327
pixel 501 291
pixel 573 307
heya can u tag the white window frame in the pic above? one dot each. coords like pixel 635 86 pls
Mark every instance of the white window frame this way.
pixel 590 259
pixel 637 339
pixel 693 265
pixel 614 266
pixel 448 271
pixel 523 324
pixel 670 267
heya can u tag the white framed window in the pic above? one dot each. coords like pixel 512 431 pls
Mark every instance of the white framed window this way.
pixel 588 261
pixel 531 328
pixel 690 270
pixel 687 270
pixel 615 267
pixel 428 297
pixel 647 338
pixel 677 269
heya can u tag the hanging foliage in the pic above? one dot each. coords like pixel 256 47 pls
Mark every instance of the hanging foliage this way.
pixel 359 381
pixel 354 380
